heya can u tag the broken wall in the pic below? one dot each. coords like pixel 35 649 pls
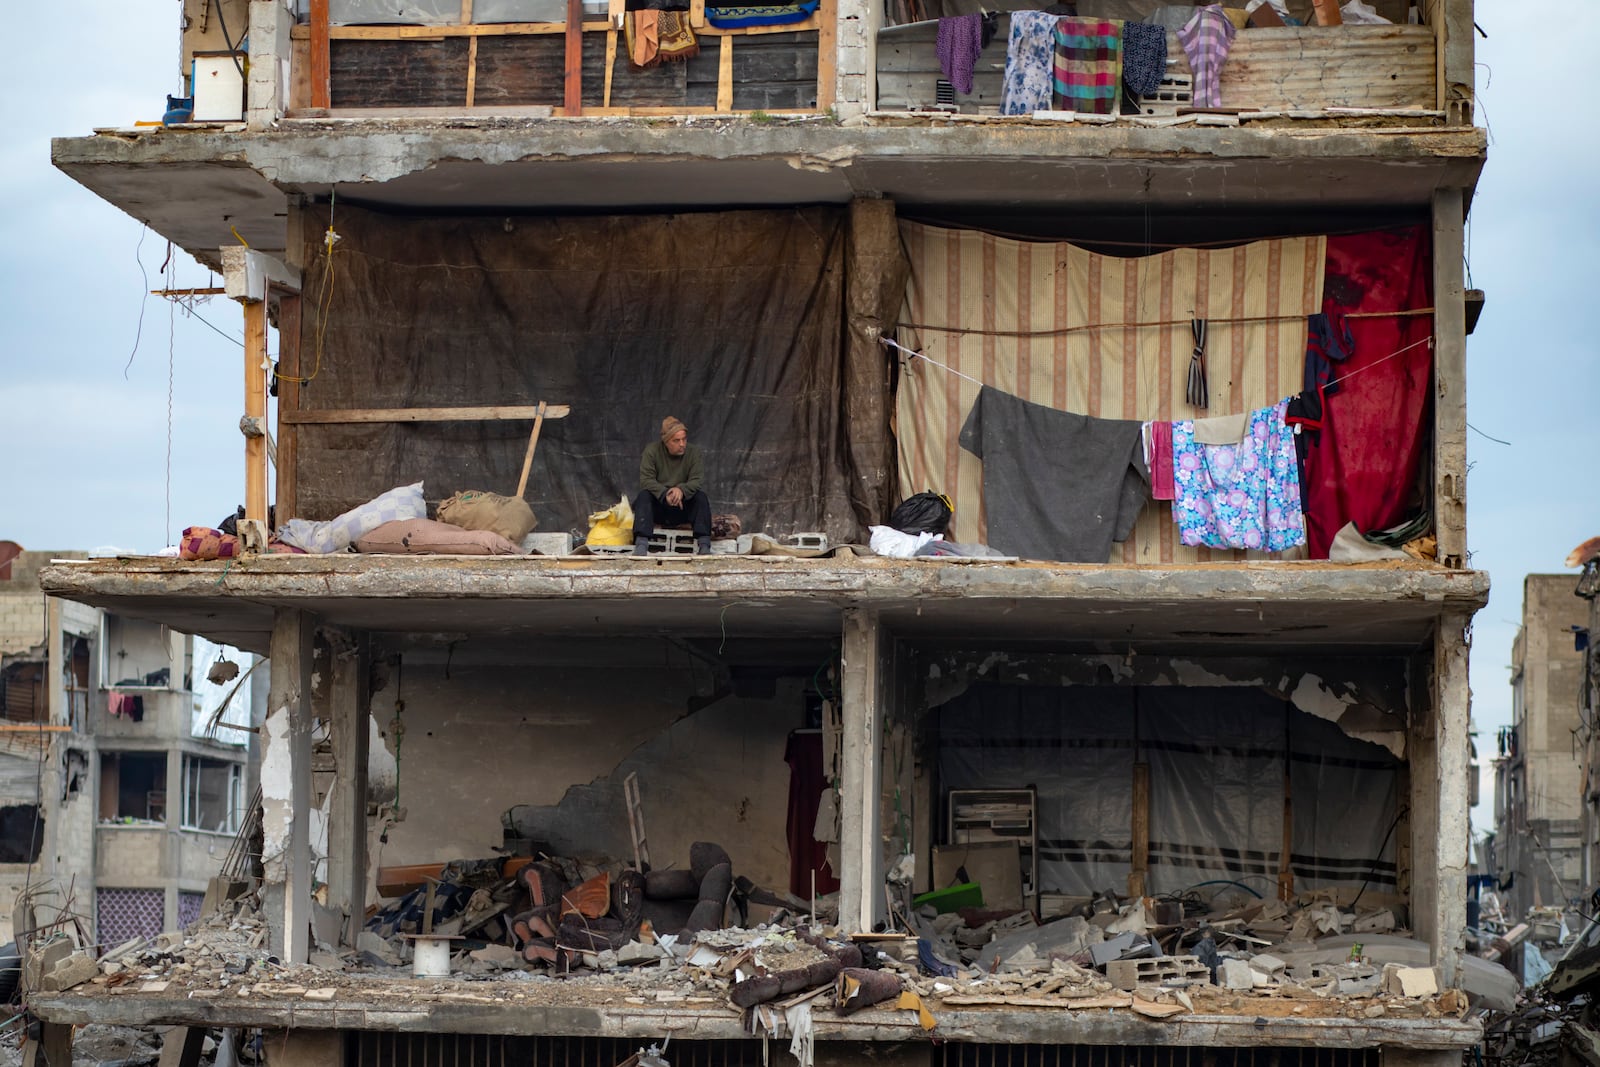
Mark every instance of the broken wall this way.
pixel 733 321
pixel 555 731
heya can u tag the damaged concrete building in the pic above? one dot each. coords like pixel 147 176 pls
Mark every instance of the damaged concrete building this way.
pixel 1539 770
pixel 114 807
pixel 476 248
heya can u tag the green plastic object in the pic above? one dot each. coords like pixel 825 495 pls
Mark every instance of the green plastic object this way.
pixel 952 898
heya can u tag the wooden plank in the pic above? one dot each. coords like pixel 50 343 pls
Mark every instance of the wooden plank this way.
pixel 611 64
pixel 572 105
pixel 697 14
pixel 466 12
pixel 288 401
pixel 533 443
pixel 299 74
pixel 483 414
pixel 1140 867
pixel 255 407
pixel 725 76
pixel 827 53
pixel 402 878
pixel 472 67
pixel 321 67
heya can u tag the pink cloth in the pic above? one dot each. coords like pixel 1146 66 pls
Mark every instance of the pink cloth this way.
pixel 1161 461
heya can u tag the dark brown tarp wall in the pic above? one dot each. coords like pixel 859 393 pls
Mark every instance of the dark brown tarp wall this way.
pixel 737 322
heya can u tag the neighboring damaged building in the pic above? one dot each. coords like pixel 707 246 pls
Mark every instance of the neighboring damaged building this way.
pixel 1539 772
pixel 1180 792
pixel 117 803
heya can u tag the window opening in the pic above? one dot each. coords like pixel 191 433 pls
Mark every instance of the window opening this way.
pixel 133 788
pixel 212 795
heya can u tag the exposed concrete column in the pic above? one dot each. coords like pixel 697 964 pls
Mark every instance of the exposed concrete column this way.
pixel 1440 758
pixel 349 700
pixel 267 86
pixel 286 786
pixel 1455 63
pixel 1450 377
pixel 856 46
pixel 875 286
pixel 861 689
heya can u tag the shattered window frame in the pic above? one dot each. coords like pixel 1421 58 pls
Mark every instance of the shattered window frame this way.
pixel 198 808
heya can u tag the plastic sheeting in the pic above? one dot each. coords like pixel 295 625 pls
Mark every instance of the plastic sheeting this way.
pixel 1217 774
pixel 741 323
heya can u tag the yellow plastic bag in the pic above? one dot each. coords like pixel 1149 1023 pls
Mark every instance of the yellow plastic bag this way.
pixel 613 526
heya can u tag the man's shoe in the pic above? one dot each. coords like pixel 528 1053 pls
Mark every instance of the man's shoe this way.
pixel 641 546
pixel 702 546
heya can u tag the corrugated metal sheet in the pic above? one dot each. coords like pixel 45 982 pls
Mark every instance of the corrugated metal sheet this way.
pixel 1293 68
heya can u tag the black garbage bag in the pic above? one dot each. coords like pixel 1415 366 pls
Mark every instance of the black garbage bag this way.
pixel 924 513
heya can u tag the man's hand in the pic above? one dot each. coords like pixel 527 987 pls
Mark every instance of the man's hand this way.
pixel 674 497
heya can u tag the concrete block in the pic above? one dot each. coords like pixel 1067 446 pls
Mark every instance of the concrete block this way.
pixel 76 969
pixel 1411 981
pixel 1130 974
pixel 367 941
pixel 1267 963
pixel 1235 974
pixel 548 544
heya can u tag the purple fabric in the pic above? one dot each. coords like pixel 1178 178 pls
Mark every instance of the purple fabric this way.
pixel 960 42
pixel 1206 40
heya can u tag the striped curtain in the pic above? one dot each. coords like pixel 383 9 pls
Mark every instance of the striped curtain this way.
pixel 1097 335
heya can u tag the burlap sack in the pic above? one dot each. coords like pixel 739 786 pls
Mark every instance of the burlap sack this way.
pixel 472 509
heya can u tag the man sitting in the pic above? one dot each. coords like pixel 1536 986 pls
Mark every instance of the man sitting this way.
pixel 670 493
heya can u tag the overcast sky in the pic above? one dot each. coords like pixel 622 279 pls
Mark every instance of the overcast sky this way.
pixel 84 384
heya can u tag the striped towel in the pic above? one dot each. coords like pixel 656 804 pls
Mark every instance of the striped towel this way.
pixel 1088 66
pixel 1206 40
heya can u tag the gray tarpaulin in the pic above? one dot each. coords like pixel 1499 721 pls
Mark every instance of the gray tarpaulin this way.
pixel 740 323
pixel 1217 760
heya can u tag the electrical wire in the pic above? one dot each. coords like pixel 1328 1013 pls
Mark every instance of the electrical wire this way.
pixel 233 52
pixel 139 329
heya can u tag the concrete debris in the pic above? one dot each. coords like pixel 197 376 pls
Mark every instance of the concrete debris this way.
pixel 72 971
pixel 1235 974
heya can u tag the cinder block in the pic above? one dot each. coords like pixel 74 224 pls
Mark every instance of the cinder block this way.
pixel 1127 974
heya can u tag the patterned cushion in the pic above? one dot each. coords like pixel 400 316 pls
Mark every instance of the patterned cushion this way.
pixel 404 502
pixel 202 542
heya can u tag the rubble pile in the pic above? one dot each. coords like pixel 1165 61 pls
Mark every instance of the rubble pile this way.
pixel 1209 960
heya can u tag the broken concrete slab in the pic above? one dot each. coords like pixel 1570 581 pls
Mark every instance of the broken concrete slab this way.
pixel 1111 949
pixel 1060 938
pixel 74 970
pixel 1410 981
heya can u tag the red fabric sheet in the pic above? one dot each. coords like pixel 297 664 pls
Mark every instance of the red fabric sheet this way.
pixel 1364 467
pixel 806 780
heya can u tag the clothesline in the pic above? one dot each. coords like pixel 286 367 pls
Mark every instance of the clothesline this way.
pixel 1147 325
pixel 890 342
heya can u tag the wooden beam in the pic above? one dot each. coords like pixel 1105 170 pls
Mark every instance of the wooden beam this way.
pixel 533 443
pixel 484 414
pixel 572 100
pixel 611 64
pixel 1139 869
pixel 288 401
pixel 697 14
pixel 255 407
pixel 472 69
pixel 725 76
pixel 321 61
pixel 827 53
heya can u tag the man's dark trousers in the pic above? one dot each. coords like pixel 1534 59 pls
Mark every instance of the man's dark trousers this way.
pixel 649 514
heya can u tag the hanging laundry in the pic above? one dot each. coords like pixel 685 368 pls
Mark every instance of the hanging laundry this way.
pixel 1160 460
pixel 1365 465
pixel 1144 57
pixel 1055 485
pixel 960 43
pixel 1221 429
pixel 1328 341
pixel 1206 39
pixel 1088 66
pixel 1029 56
pixel 1304 416
pixel 1197 393
pixel 642 33
pixel 1239 496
